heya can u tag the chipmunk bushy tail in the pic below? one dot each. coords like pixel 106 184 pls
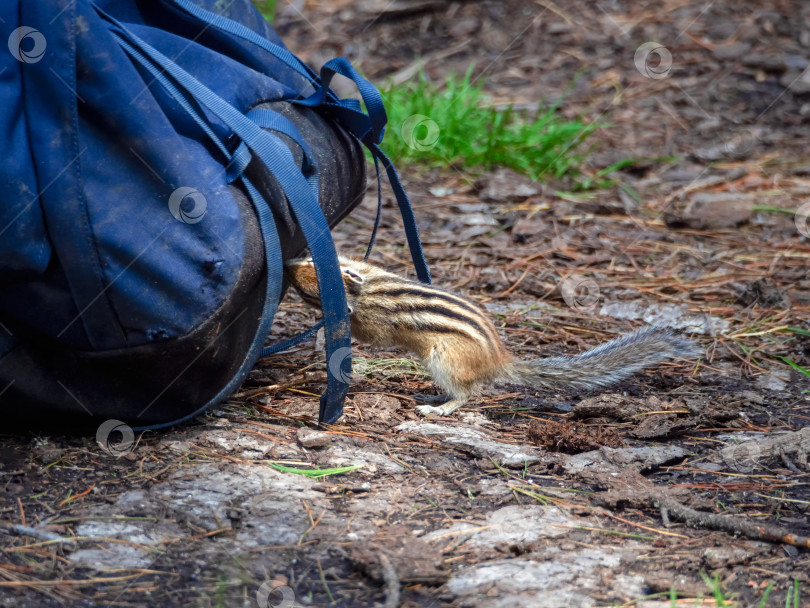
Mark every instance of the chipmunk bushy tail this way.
pixel 606 364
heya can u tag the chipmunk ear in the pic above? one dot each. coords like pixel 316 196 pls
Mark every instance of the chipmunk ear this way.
pixel 353 276
pixel 352 280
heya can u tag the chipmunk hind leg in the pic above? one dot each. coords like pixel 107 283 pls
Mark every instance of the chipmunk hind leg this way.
pixel 450 376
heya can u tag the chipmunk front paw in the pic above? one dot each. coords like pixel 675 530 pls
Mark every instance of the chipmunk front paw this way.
pixel 426 410
pixel 442 410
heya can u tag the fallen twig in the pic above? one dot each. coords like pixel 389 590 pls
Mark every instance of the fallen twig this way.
pixel 40 534
pixel 733 525
pixel 391 582
pixel 630 486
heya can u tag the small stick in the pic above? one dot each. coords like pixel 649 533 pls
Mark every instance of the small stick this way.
pixel 713 521
pixel 392 584
pixel 40 534
pixel 79 495
pixel 505 293
pixel 647 495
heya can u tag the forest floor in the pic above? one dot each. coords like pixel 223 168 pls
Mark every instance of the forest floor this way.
pixel 522 498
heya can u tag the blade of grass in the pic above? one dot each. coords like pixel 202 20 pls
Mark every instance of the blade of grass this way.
pixel 314 473
pixel 771 209
pixel 797 330
pixel 716 589
pixel 765 595
pixel 795 590
pixel 795 366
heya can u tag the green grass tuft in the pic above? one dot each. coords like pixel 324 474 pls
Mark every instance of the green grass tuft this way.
pixel 456 124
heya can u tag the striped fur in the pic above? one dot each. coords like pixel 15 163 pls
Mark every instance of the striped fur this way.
pixel 459 344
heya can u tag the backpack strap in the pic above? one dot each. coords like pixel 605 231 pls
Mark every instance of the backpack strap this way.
pixel 378 216
pixel 266 222
pixel 276 157
pixel 368 128
pixel 280 346
pixel 267 119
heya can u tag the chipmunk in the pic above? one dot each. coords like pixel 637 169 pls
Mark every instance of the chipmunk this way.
pixel 460 346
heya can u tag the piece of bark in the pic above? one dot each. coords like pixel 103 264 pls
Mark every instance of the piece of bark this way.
pixel 712 211
pixel 746 456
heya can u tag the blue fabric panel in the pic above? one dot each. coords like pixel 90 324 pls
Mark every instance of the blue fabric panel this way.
pixel 24 249
pixel 246 36
pixel 164 276
pixel 169 16
pixel 54 139
pixel 134 272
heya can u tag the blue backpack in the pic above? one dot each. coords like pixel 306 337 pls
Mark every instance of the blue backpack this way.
pixel 162 160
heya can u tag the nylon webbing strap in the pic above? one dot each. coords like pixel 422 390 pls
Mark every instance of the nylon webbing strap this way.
pixel 299 186
pixel 267 119
pixel 267 225
pixel 368 128
pixel 277 348
pixel 279 160
pixel 373 122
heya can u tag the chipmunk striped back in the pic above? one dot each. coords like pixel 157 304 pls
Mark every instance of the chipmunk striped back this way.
pixel 401 303
pixel 445 330
pixel 392 305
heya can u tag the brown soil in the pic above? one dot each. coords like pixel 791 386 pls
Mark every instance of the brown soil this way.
pixel 522 498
